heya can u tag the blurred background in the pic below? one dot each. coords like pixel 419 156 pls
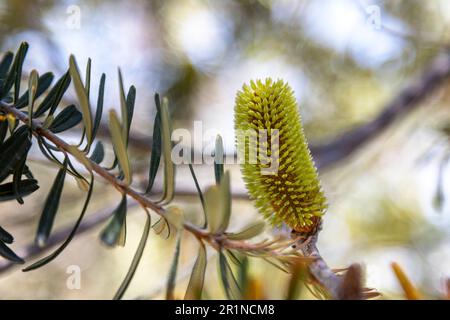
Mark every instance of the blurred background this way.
pixel 347 61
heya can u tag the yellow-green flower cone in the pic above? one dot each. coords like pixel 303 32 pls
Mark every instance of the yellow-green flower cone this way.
pixel 291 193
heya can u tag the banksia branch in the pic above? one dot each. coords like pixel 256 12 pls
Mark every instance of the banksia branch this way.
pixel 276 163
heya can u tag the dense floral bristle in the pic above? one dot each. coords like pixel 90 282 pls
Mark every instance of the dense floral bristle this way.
pixel 291 192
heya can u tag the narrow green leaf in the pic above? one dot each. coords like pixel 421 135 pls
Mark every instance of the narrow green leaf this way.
pixel 115 232
pixel 13 150
pixel 45 151
pixel 155 157
pixel 48 122
pixel 26 187
pixel 233 257
pixel 169 167
pixel 18 72
pixel 173 270
pixel 212 206
pixel 113 165
pixel 3 131
pixel 15 73
pixel 131 99
pixel 119 145
pixel 218 205
pixel 218 159
pixel 123 108
pixel 5 64
pixel 53 98
pixel 162 225
pixel 129 110
pixel 7 253
pixel 66 119
pixel 225 197
pixel 200 194
pixel 80 156
pixel 83 98
pixel 61 248
pixel 51 207
pixel 32 87
pixel 20 131
pixel 230 285
pixel 174 215
pixel 17 178
pixel 136 259
pixel 195 286
pixel 98 154
pixel 44 83
pixel 5 236
pixel 249 232
pixel 243 276
pixel 87 85
pixel 27 172
pixel 99 111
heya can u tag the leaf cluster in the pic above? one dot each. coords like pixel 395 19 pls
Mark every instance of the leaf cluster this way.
pixel 40 116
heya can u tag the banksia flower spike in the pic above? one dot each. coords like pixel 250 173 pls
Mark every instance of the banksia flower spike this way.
pixel 278 169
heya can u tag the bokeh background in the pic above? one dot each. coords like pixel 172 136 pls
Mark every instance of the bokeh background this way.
pixel 346 60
